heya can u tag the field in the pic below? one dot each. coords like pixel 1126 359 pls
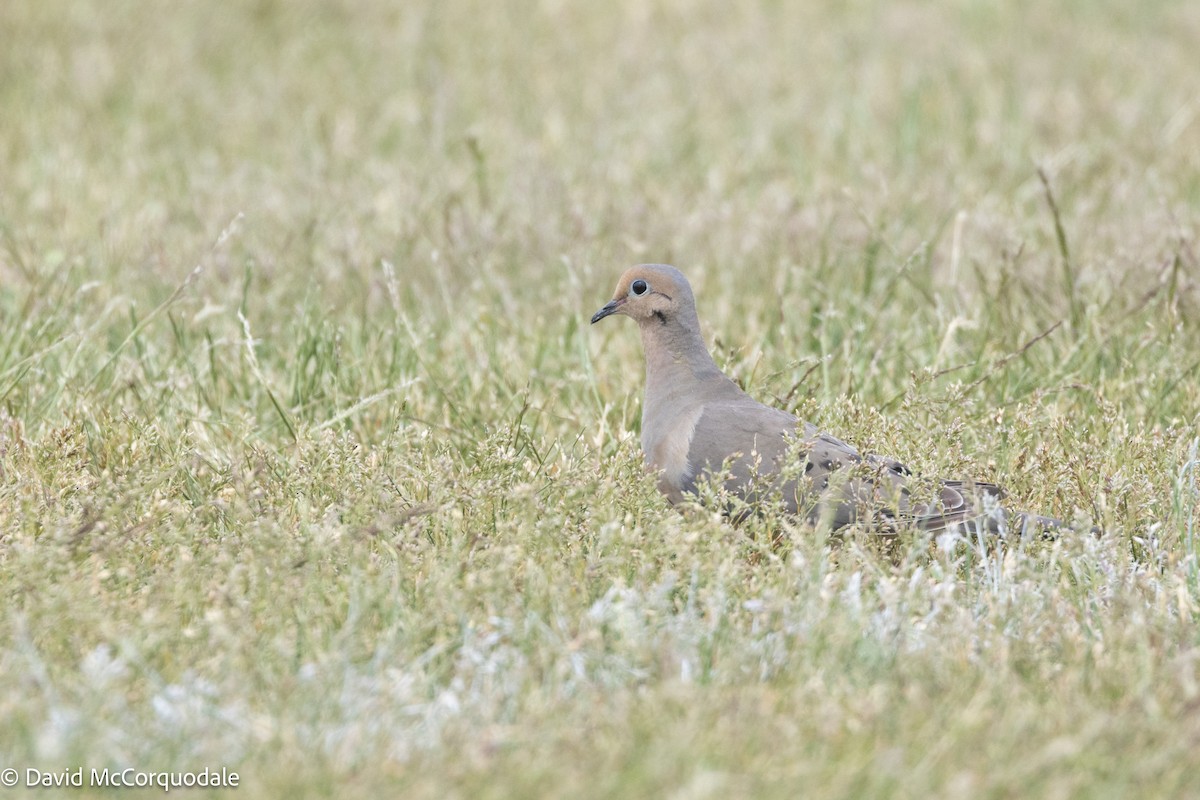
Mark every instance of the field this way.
pixel 311 467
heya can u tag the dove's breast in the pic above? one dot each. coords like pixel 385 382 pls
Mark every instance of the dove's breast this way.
pixel 667 448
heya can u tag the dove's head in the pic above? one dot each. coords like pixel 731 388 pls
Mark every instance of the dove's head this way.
pixel 651 293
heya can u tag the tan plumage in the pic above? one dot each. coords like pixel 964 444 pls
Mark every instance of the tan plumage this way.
pixel 697 422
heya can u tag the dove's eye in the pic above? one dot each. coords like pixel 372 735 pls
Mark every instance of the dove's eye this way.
pixel 639 287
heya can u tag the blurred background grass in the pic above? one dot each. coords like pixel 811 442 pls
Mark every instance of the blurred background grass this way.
pixel 360 493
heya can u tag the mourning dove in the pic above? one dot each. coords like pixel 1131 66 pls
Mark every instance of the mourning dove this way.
pixel 697 423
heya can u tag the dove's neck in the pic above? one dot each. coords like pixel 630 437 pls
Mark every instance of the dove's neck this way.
pixel 677 362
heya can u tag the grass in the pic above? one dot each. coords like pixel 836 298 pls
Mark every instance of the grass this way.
pixel 311 467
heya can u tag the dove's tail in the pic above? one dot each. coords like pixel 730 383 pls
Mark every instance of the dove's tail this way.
pixel 1027 525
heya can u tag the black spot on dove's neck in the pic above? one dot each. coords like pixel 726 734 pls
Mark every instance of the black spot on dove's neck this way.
pixel 661 317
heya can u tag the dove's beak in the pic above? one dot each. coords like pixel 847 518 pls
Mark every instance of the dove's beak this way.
pixel 610 309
